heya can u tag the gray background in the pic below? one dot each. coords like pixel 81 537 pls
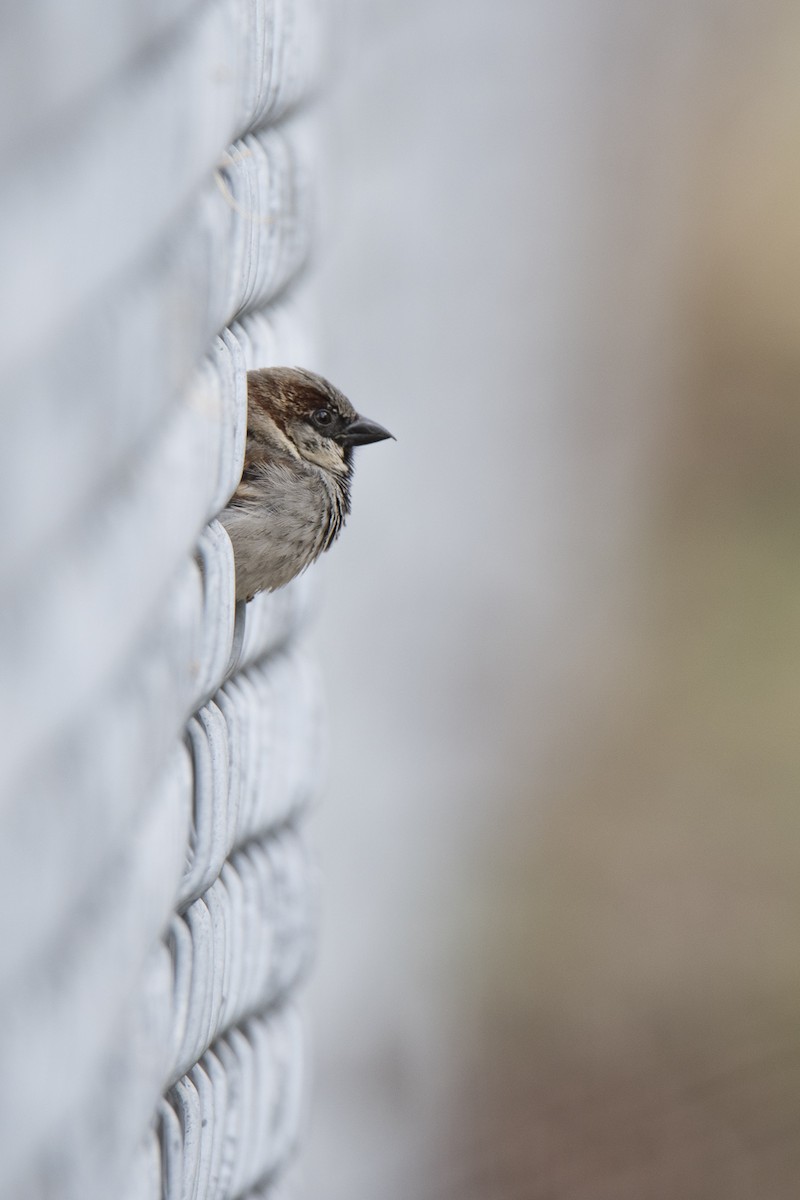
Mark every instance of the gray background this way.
pixel 560 261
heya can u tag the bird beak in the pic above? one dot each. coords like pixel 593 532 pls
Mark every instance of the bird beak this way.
pixel 360 432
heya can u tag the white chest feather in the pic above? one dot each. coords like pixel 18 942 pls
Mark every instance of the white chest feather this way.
pixel 280 521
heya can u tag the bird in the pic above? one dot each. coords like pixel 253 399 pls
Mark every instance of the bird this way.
pixel 294 493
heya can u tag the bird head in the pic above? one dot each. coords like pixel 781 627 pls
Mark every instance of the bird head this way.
pixel 314 418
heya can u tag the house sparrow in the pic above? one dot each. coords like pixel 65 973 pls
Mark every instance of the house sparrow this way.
pixel 294 493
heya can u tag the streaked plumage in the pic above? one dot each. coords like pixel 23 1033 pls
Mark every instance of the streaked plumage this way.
pixel 294 493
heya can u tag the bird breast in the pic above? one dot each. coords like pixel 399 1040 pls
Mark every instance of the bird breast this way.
pixel 282 517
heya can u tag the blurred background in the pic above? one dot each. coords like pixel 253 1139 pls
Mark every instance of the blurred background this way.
pixel 561 261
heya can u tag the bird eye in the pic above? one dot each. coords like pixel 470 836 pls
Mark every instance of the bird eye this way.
pixel 323 416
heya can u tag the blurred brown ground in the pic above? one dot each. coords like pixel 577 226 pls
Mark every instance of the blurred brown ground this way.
pixel 562 958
